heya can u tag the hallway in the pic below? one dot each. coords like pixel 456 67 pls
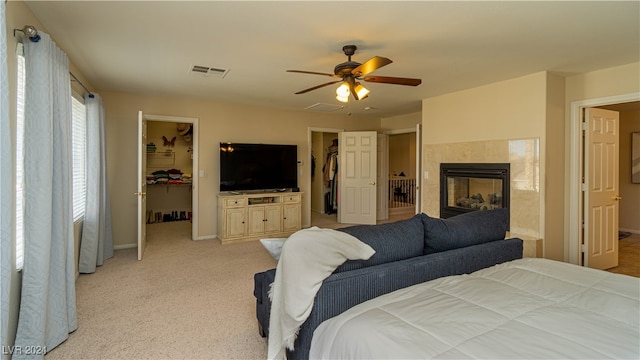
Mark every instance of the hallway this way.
pixel 628 256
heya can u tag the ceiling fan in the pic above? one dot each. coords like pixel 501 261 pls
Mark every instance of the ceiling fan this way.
pixel 350 72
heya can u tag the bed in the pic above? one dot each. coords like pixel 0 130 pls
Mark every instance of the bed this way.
pixel 526 308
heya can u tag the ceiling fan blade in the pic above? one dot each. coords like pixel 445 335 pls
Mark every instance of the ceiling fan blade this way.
pixel 371 65
pixel 313 73
pixel 393 80
pixel 317 87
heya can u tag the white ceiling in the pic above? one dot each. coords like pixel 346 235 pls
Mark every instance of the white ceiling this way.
pixel 150 46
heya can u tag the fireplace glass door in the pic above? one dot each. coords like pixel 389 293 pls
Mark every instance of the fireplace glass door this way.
pixel 473 187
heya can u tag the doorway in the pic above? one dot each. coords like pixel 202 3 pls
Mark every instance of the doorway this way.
pixel 323 145
pixel 402 174
pixel 169 173
pixel 147 148
pixel 574 247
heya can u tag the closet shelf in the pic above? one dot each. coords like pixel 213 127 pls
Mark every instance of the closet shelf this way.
pixel 187 186
pixel 161 158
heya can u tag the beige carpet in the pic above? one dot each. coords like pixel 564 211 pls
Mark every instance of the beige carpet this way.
pixel 185 300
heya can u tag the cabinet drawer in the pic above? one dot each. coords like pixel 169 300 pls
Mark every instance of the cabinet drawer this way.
pixel 292 198
pixel 235 202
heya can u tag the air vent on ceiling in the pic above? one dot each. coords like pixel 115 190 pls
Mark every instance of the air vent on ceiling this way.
pixel 209 71
pixel 323 107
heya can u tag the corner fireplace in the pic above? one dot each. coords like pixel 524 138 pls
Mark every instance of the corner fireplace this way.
pixel 466 187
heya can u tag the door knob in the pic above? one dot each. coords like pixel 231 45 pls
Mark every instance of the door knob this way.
pixel 372 183
pixel 139 193
pixel 617 197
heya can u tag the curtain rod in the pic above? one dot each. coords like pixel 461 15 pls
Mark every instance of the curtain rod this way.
pixel 32 33
pixel 81 84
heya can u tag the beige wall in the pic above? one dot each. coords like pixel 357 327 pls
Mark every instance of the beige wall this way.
pixel 408 121
pixel 630 193
pixel 508 109
pixel 553 165
pixel 217 122
pixel 602 83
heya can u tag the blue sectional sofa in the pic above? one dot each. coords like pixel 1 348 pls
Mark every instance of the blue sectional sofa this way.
pixel 408 252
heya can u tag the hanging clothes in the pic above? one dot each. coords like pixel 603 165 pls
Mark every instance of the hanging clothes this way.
pixel 330 178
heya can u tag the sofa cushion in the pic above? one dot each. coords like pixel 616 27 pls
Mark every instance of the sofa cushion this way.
pixel 392 241
pixel 463 230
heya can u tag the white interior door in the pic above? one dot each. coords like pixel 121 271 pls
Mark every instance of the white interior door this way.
pixel 142 184
pixel 357 177
pixel 382 177
pixel 601 188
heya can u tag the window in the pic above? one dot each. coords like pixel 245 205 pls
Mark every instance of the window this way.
pixel 78 143
pixel 20 161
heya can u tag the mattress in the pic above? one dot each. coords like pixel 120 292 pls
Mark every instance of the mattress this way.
pixel 523 309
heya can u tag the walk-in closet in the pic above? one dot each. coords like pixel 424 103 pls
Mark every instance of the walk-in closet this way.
pixel 169 172
pixel 324 173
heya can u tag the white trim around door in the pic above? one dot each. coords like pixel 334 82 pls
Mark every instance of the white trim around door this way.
pixel 195 171
pixel 573 247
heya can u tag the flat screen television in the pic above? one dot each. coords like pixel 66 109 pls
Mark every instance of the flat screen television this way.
pixel 258 167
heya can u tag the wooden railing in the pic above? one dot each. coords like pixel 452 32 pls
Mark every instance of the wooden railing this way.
pixel 402 192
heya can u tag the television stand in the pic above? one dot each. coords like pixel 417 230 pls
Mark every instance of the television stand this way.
pixel 254 216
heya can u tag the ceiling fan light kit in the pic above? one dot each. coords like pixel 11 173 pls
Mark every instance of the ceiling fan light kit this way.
pixel 343 90
pixel 351 71
pixel 361 91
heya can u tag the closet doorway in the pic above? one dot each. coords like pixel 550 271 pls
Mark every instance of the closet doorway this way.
pixel 171 169
pixel 323 143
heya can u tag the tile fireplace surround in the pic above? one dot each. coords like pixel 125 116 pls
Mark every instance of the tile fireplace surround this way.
pixel 522 154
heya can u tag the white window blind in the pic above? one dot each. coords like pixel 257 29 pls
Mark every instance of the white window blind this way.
pixel 20 160
pixel 78 143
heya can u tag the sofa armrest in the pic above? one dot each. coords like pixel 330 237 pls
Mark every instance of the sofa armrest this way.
pixel 262 282
pixel 343 290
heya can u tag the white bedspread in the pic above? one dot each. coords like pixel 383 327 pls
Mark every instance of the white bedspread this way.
pixel 528 308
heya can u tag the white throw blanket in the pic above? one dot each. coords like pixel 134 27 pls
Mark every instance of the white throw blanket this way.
pixel 308 257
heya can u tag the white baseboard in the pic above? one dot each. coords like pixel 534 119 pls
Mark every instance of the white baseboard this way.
pixel 633 231
pixel 206 237
pixel 131 246
pixel 125 246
